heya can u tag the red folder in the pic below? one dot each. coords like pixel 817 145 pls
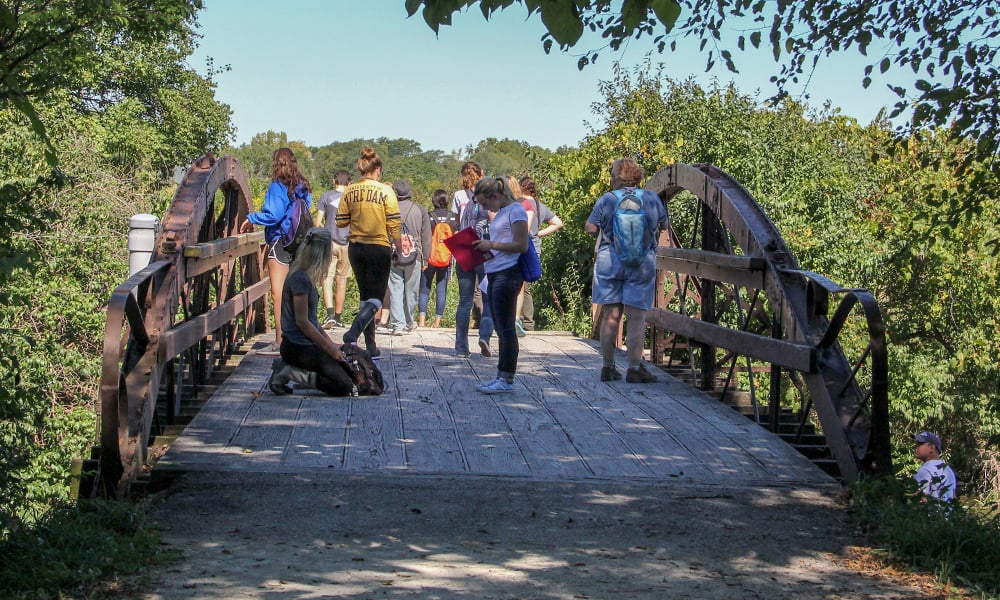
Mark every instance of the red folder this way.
pixel 464 252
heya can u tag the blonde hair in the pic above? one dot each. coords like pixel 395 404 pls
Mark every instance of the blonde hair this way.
pixel 314 255
pixel 514 186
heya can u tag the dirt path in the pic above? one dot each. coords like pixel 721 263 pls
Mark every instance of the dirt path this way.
pixel 385 536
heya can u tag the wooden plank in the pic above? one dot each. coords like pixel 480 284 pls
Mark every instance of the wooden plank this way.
pixel 434 450
pixel 319 438
pixel 487 444
pixel 421 399
pixel 715 259
pixel 561 422
pixel 545 446
pixel 716 453
pixel 251 241
pixel 187 334
pixel 743 276
pixel 787 354
pixel 375 434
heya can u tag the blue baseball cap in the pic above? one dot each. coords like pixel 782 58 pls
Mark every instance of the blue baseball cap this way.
pixel 928 437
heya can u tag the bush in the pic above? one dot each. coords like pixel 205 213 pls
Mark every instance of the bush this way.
pixel 76 551
pixel 960 544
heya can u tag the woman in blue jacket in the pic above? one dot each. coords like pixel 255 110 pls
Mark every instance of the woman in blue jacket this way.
pixel 286 181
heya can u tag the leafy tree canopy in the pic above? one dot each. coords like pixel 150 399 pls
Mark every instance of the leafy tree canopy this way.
pixel 48 45
pixel 950 47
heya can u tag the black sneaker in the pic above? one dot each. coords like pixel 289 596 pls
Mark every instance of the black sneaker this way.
pixel 639 375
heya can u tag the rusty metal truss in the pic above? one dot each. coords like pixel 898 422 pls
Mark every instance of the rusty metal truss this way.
pixel 730 289
pixel 175 321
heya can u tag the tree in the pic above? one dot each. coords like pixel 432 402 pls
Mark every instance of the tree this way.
pixel 950 47
pixel 48 45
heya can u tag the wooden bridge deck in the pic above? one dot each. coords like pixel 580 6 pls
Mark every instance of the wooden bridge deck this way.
pixel 562 423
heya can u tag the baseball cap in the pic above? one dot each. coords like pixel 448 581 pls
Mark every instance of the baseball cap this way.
pixel 402 189
pixel 930 437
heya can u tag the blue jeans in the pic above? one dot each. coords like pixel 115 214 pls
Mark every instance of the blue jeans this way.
pixel 467 281
pixel 404 285
pixel 502 299
pixel 439 276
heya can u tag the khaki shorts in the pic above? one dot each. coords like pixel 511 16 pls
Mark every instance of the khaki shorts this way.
pixel 340 266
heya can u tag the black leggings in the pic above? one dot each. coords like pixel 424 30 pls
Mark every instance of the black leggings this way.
pixel 371 264
pixel 331 375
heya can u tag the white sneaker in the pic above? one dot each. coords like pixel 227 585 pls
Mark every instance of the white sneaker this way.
pixel 497 386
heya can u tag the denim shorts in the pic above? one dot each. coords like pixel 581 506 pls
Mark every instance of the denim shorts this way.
pixel 615 284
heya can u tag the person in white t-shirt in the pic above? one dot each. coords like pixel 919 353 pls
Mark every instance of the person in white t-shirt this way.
pixel 935 477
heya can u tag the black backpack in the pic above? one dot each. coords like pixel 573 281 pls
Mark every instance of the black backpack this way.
pixel 300 221
pixel 363 371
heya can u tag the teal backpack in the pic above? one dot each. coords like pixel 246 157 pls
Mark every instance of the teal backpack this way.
pixel 632 239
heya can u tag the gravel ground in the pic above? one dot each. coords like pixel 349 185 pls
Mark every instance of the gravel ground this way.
pixel 386 536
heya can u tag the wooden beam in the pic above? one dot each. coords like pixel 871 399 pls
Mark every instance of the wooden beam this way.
pixel 187 334
pixel 744 271
pixel 207 249
pixel 202 258
pixel 787 354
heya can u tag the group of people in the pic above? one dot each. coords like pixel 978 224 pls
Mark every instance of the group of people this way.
pixel 380 235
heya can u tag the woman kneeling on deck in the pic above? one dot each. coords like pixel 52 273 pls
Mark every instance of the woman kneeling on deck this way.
pixel 305 346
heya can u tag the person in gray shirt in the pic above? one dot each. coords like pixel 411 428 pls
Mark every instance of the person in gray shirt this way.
pixel 340 266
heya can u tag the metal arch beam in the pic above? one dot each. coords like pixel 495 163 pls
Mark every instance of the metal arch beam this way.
pixel 791 294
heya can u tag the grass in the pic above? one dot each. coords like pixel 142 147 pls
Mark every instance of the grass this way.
pixel 79 552
pixel 960 546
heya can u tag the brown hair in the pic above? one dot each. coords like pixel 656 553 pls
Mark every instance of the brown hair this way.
pixel 471 174
pixel 628 172
pixel 439 198
pixel 285 168
pixel 528 186
pixel 369 161
pixel 341 177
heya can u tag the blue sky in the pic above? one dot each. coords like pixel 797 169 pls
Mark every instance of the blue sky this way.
pixel 335 70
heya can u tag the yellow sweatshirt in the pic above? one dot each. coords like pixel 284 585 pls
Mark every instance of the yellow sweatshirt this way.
pixel 371 209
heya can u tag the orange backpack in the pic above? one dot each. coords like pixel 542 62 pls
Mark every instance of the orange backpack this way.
pixel 440 254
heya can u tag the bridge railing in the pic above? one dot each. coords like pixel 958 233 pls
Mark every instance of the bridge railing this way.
pixel 731 289
pixel 171 324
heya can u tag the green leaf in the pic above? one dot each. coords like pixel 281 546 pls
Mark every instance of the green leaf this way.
pixel 633 13
pixel 667 11
pixel 562 21
pixel 412 6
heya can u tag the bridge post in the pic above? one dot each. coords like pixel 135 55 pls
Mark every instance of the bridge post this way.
pixel 142 230
pixel 710 243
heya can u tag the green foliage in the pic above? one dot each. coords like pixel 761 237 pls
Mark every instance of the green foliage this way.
pixel 132 116
pixel 55 45
pixel 927 44
pixel 73 551
pixel 960 546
